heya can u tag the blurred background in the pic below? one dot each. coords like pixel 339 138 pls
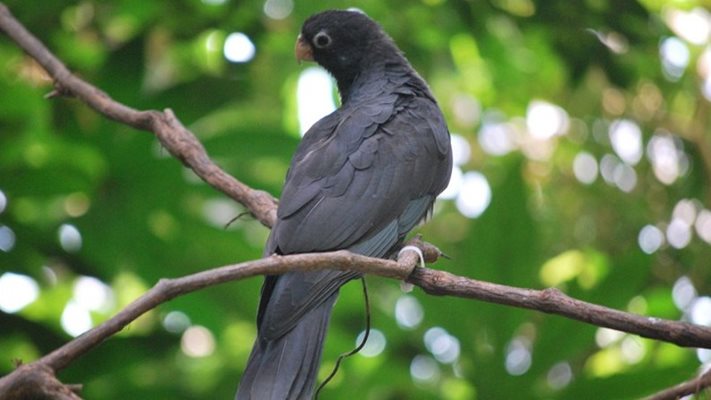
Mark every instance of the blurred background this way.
pixel 581 141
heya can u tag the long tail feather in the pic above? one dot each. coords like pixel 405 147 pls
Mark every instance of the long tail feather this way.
pixel 286 368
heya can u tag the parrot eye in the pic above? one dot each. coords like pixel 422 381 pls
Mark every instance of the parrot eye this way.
pixel 322 40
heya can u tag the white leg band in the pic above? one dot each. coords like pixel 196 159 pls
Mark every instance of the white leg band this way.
pixel 416 250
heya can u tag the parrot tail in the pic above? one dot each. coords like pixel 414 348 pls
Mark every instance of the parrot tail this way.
pixel 285 368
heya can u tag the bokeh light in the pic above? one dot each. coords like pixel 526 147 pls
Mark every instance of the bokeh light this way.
pixel 675 57
pixel 606 337
pixel 706 86
pixel 631 349
pixel 518 356
pixel 197 341
pixel 585 167
pixel 545 120
pixel 239 48
pixel 220 211
pixel 559 376
pixel 314 96
pixel 424 369
pixel 69 238
pixel 678 233
pixel 700 311
pixel 455 184
pixel 618 173
pixel 683 293
pixel 497 138
pixel 694 25
pixel 626 139
pixel 278 9
pixel 703 225
pixel 685 210
pixel 668 158
pixel 75 319
pixel 3 201
pixel 7 238
pixel 650 239
pixel 474 196
pixel 608 164
pixel 461 151
pixel 625 177
pixel 408 312
pixel 466 110
pixel 76 204
pixel 17 291
pixel 374 346
pixel 444 347
pixel 176 322
pixel 93 295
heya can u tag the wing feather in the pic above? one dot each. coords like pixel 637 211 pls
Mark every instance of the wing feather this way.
pixel 377 173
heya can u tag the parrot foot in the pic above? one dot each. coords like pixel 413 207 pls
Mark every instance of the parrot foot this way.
pixel 416 250
pixel 405 286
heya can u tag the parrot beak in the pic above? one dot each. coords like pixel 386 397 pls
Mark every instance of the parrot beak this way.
pixel 303 50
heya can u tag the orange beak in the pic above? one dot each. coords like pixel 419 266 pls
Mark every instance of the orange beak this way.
pixel 303 50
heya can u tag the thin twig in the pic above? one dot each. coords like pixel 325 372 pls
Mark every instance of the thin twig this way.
pixel 692 386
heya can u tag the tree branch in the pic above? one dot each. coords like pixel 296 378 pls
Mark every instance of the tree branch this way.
pixel 431 281
pixel 692 386
pixel 178 140
pixel 182 144
pixel 553 301
pixel 35 381
pixel 168 289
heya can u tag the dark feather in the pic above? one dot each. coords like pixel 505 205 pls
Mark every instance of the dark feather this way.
pixel 361 179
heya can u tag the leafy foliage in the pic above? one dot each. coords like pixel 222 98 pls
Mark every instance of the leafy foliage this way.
pixel 140 215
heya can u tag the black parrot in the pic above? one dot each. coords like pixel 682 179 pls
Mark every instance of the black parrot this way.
pixel 361 179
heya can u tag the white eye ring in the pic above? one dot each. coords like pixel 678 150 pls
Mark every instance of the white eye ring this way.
pixel 322 40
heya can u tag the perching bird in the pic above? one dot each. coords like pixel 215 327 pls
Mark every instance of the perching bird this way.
pixel 361 179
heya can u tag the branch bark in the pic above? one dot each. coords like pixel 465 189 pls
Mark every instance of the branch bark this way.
pixel 183 144
pixel 553 301
pixel 178 140
pixel 36 381
pixel 692 386
pixel 432 281
pixel 168 289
